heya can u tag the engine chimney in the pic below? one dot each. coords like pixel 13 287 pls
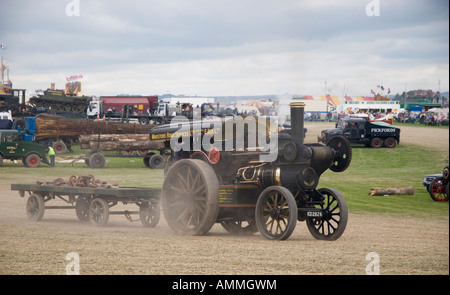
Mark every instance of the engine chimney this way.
pixel 297 121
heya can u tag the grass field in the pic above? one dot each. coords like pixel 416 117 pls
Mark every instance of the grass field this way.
pixel 402 166
pixel 381 168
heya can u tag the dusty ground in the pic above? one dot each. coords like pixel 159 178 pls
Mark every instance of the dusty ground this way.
pixel 404 245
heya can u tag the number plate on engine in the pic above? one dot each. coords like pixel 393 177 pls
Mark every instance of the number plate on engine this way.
pixel 314 213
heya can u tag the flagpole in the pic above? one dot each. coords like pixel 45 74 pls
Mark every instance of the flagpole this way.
pixel 405 97
pixel 439 90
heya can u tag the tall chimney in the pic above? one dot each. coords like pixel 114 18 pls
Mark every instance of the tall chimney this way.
pixel 297 121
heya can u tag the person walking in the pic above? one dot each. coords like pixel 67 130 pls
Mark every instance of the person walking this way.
pixel 51 154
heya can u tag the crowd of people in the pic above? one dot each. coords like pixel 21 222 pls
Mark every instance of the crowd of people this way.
pixel 427 118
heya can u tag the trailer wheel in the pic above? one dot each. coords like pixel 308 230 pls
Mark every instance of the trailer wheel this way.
pixel 390 142
pixel 143 121
pixel 157 161
pixel 149 214
pixel 146 159
pixel 59 147
pixel 376 143
pixel 276 213
pixel 334 216
pixel 190 197
pixel 98 212
pixel 82 207
pixel 438 190
pixel 32 160
pixel 35 207
pixel 97 160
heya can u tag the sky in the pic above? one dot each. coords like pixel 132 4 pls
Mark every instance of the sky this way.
pixel 226 48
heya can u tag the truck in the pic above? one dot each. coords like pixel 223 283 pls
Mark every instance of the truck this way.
pixel 362 131
pixel 185 106
pixel 12 147
pixel 141 108
pixel 12 100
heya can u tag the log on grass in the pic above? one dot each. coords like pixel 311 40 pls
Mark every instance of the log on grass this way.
pixel 409 190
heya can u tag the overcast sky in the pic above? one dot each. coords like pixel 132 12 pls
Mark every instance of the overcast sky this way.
pixel 232 47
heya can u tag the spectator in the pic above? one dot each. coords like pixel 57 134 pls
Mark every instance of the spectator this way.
pixel 51 153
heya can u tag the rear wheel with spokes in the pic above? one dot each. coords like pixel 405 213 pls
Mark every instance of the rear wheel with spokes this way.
pixel 190 197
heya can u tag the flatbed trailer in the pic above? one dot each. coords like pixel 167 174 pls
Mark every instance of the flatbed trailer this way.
pixel 92 203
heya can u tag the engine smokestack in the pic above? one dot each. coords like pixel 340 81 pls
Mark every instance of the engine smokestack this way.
pixel 297 121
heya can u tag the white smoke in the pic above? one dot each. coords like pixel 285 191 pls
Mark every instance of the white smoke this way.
pixel 283 107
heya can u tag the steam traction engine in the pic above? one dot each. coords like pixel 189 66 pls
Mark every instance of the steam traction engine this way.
pixel 245 194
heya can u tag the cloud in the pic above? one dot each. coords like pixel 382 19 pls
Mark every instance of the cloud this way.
pixel 227 47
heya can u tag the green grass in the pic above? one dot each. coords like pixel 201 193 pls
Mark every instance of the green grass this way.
pixel 405 165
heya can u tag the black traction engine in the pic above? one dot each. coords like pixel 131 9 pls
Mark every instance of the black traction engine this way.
pixel 221 181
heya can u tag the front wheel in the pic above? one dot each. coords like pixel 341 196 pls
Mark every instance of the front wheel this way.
pixel 438 190
pixel 32 160
pixel 35 207
pixel 276 213
pixel 331 225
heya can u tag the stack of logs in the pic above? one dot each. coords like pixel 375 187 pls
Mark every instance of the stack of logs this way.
pixel 50 126
pixel 120 142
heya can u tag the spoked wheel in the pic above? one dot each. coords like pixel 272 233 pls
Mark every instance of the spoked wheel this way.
pixel 190 197
pixel 149 214
pixel 334 216
pixel 35 207
pixel 240 228
pixel 438 190
pixel 99 212
pixel 276 213
pixel 82 207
